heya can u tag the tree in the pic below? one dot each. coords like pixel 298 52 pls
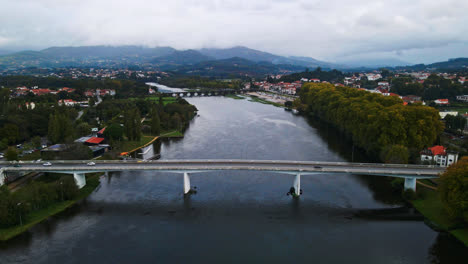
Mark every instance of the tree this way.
pixel 155 122
pixel 10 132
pixel 11 154
pixel 36 141
pixel 83 129
pixel 176 121
pixel 454 190
pixel 114 132
pixel 395 154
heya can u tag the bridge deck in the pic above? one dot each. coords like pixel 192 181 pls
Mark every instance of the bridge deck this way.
pixel 299 167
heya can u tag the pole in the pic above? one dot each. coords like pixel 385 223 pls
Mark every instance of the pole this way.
pixel 19 212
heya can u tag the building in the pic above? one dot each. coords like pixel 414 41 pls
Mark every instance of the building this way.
pixel 446 113
pixel 463 98
pixel 442 102
pixel 67 102
pixel 439 155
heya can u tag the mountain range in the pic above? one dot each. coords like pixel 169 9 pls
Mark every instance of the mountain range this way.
pixel 167 58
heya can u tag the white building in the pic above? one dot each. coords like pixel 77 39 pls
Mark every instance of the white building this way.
pixel 439 155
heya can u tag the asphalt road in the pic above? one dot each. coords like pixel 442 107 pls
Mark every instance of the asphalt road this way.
pixel 298 167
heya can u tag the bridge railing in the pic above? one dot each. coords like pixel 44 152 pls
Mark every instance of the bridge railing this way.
pixel 221 161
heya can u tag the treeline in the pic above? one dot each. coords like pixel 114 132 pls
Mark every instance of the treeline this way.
pixel 123 117
pixel 318 73
pixel 200 82
pixel 434 87
pixel 15 207
pixel 379 124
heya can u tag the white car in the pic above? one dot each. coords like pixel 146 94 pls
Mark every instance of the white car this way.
pixel 91 163
pixel 47 164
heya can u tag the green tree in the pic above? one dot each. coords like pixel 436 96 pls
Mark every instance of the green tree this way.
pixel 454 190
pixel 114 132
pixel 11 154
pixel 83 129
pixel 395 154
pixel 155 122
pixel 10 132
pixel 36 142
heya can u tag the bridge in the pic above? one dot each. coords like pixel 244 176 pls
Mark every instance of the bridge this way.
pixel 78 168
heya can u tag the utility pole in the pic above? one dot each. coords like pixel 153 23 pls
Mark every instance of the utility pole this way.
pixel 21 221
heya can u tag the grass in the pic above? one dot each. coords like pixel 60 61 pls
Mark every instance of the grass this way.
pixel 36 217
pixel 258 100
pixel 172 134
pixel 33 156
pixel 126 146
pixel 166 100
pixel 432 208
pixel 233 96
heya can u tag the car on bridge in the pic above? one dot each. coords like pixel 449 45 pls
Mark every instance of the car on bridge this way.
pixel 47 164
pixel 91 163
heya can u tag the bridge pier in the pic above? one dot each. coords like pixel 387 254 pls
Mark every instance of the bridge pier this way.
pixel 297 186
pixel 410 183
pixel 2 177
pixel 186 183
pixel 80 179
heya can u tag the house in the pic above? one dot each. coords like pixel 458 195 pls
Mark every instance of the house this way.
pixel 412 99
pixel 67 102
pixel 442 102
pixel 439 155
pixel 463 98
pixel 444 114
pixel 386 84
pixel 94 141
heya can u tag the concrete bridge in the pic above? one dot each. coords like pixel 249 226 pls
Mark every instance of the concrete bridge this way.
pixel 79 168
pixel 213 92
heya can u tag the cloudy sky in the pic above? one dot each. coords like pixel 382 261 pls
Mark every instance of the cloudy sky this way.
pixel 333 30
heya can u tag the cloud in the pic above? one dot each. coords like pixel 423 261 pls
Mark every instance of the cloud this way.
pixel 321 29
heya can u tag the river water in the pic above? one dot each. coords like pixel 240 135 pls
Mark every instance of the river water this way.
pixel 237 216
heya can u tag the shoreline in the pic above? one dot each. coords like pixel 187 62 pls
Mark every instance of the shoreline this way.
pixel 43 214
pixel 430 206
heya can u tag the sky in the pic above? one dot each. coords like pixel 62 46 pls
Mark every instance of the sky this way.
pixel 416 31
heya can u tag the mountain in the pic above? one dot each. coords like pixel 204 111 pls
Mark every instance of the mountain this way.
pixel 451 64
pixel 374 62
pixel 106 51
pixel 258 56
pixel 186 57
pixel 235 67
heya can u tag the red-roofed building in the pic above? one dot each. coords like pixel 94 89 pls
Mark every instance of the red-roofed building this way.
pixel 94 141
pixel 68 90
pixel 439 155
pixel 100 133
pixel 442 102
pixel 41 91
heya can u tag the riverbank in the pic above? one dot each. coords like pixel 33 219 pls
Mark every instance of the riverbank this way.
pixel 38 216
pixel 264 99
pixel 430 205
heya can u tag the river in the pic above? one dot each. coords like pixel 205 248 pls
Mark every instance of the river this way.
pixel 237 216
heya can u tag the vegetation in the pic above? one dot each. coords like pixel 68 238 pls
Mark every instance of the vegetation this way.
pixel 55 200
pixel 374 122
pixel 434 87
pixel 200 82
pixel 454 191
pixel 318 73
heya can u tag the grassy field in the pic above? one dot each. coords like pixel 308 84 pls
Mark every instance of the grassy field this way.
pixel 258 100
pixel 233 96
pixel 432 208
pixel 171 134
pixel 36 217
pixel 125 146
pixel 166 100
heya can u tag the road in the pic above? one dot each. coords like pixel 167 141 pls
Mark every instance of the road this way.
pixel 292 167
